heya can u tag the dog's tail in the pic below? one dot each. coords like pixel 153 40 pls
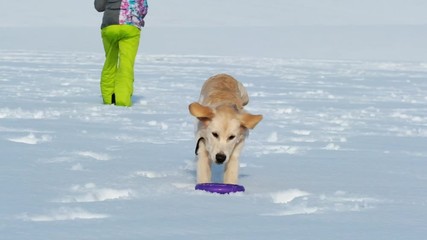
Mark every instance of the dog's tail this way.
pixel 243 94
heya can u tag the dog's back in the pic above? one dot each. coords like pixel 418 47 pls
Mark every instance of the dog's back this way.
pixel 223 89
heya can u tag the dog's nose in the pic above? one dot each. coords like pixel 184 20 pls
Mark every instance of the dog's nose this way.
pixel 220 158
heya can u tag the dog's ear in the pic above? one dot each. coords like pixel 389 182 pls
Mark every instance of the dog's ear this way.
pixel 249 120
pixel 201 112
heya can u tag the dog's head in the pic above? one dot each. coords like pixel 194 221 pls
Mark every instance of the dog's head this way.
pixel 223 128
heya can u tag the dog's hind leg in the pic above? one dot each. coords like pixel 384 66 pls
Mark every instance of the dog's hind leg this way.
pixel 204 172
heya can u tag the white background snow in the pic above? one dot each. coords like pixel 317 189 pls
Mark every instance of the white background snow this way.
pixel 341 152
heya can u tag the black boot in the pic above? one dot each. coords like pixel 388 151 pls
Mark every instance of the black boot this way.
pixel 113 99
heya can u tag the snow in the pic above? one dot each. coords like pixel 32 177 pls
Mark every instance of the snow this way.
pixel 341 152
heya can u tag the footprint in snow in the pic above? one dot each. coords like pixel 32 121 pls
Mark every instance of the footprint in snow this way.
pixel 158 175
pixel 32 139
pixel 332 147
pixel 298 202
pixel 77 167
pixel 150 174
pixel 91 193
pixel 62 214
pixel 94 155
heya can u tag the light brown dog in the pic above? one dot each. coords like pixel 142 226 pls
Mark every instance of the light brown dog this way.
pixel 223 126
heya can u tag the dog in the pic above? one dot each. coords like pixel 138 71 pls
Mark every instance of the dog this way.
pixel 222 127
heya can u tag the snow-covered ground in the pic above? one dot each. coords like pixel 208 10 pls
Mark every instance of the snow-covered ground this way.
pixel 379 43
pixel 341 152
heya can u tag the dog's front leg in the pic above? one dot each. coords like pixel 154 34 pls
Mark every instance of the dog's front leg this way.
pixel 204 172
pixel 231 171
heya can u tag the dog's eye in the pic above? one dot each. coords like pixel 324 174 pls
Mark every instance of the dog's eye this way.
pixel 231 137
pixel 215 134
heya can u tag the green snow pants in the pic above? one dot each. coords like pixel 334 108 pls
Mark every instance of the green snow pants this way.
pixel 121 46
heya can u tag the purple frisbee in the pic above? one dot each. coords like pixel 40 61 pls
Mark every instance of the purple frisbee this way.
pixel 221 188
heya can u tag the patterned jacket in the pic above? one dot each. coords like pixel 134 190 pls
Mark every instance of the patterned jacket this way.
pixel 130 12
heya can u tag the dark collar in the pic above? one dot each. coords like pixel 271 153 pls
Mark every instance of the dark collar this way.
pixel 197 145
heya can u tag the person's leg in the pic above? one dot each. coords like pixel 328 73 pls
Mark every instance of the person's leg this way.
pixel 128 47
pixel 109 71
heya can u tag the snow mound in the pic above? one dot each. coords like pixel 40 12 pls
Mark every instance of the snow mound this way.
pixel 63 214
